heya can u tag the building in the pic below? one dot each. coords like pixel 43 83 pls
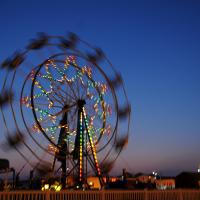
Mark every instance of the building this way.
pixel 165 184
pixel 190 180
pixel 151 182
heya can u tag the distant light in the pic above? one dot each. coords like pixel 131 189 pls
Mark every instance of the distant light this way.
pixel 58 188
pixel 113 179
pixel 91 183
pixel 46 186
pixel 198 170
pixel 154 173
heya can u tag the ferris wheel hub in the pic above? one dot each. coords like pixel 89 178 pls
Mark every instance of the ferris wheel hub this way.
pixel 81 103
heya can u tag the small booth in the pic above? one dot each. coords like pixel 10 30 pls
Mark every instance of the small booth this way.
pixel 5 169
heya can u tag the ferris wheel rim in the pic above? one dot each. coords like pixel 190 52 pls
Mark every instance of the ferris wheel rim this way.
pixel 33 105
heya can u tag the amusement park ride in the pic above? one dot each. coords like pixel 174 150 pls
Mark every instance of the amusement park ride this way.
pixel 64 108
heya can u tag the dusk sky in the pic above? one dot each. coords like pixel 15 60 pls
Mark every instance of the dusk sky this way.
pixel 156 47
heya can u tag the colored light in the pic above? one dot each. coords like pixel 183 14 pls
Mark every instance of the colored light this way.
pixel 91 143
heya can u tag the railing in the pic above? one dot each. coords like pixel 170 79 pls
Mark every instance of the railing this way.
pixel 102 195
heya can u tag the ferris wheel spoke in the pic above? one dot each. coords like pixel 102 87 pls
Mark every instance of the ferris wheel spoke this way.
pixel 45 101
pixel 69 87
pixel 44 91
pixel 77 87
pixel 63 97
pixel 59 95
pixel 60 98
pixel 84 89
pixel 68 97
pixel 43 104
pixel 65 93
pixel 58 87
pixel 68 94
pixel 73 91
pixel 64 110
pixel 54 99
pixel 53 116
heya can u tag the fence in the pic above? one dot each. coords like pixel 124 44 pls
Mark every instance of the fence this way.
pixel 102 195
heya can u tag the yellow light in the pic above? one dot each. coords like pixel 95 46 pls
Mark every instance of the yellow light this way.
pixel 46 186
pixel 91 183
pixel 58 188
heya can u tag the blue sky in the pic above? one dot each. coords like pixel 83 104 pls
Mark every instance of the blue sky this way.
pixel 156 47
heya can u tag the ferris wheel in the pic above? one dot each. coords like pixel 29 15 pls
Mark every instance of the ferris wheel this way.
pixel 63 104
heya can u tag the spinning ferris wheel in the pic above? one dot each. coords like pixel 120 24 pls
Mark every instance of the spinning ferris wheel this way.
pixel 63 105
